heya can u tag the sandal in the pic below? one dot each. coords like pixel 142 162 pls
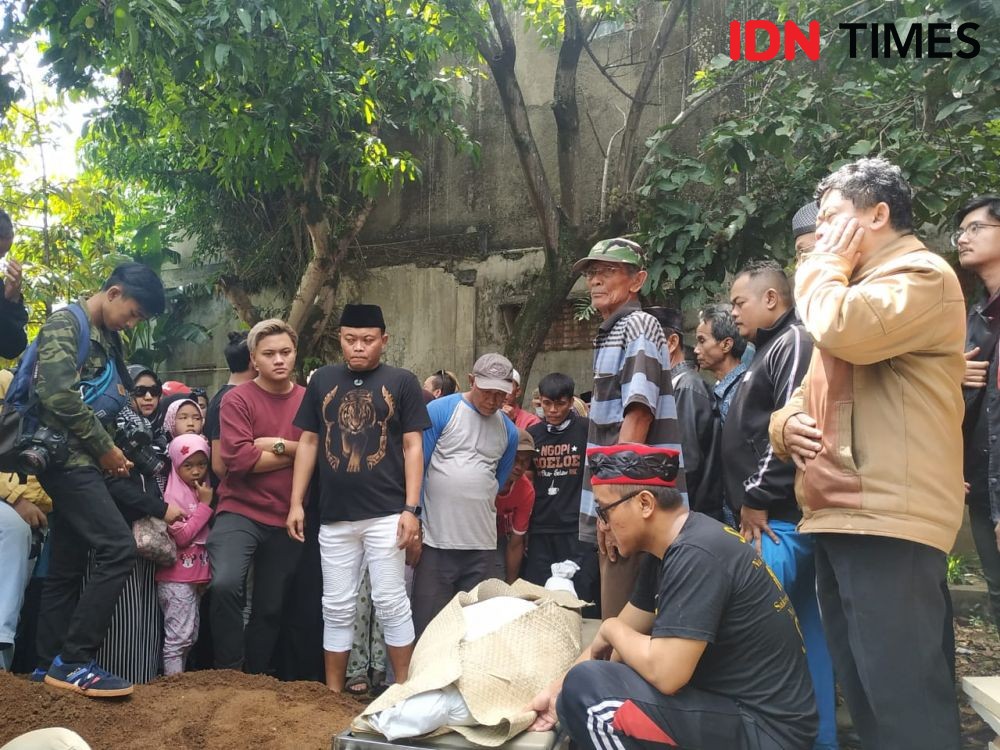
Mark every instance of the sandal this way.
pixel 358 686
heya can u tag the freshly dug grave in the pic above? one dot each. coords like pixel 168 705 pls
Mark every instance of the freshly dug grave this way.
pixel 220 710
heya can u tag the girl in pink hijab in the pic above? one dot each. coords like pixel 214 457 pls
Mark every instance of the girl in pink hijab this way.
pixel 180 586
pixel 182 417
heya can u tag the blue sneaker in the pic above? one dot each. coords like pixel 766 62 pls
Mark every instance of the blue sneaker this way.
pixel 38 675
pixel 87 679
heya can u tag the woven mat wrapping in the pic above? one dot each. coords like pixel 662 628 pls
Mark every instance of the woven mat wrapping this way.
pixel 497 674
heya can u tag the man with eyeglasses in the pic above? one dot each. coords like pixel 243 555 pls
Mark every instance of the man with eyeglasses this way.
pixel 977 238
pixel 875 431
pixel 706 653
pixel 632 398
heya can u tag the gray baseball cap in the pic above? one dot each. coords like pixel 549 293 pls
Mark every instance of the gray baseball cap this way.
pixel 494 372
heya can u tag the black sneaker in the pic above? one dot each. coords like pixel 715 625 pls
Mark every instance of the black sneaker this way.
pixel 87 679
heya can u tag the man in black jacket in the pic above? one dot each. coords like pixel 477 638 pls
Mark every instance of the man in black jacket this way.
pixel 696 414
pixel 13 314
pixel 977 238
pixel 760 488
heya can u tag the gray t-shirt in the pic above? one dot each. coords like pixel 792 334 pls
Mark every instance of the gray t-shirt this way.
pixel 467 458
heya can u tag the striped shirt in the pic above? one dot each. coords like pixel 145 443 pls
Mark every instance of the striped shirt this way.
pixel 631 366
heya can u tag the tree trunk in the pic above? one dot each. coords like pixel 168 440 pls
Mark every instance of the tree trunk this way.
pixel 501 63
pixel 631 134
pixel 239 299
pixel 566 112
pixel 317 316
pixel 546 295
pixel 316 273
pixel 318 226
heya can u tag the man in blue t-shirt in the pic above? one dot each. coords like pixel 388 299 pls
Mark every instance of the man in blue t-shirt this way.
pixel 469 450
pixel 707 653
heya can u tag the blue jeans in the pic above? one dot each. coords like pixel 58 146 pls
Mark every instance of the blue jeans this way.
pixel 794 564
pixel 15 544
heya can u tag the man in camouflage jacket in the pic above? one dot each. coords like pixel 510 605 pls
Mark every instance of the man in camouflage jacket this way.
pixel 72 624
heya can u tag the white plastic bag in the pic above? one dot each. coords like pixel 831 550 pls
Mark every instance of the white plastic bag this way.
pixel 423 713
pixel 562 577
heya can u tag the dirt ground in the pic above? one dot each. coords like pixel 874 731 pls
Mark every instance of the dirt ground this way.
pixel 224 710
pixel 221 710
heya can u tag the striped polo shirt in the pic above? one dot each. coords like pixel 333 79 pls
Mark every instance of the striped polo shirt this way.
pixel 631 366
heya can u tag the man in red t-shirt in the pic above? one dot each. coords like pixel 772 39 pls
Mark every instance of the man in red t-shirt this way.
pixel 514 504
pixel 257 443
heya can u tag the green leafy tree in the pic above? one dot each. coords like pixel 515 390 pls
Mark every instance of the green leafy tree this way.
pixel 268 126
pixel 70 232
pixel 783 125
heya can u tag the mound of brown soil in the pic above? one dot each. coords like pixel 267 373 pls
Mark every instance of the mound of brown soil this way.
pixel 220 710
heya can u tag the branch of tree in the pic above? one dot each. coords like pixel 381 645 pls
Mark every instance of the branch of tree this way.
pixel 607 166
pixel 664 134
pixel 603 69
pixel 238 297
pixel 350 237
pixel 631 133
pixel 502 26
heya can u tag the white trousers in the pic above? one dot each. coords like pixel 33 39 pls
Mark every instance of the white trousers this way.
pixel 344 547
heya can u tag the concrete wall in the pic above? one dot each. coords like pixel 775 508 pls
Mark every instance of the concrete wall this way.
pixel 487 200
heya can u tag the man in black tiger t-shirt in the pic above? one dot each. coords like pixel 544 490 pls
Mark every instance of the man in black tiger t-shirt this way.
pixel 710 652
pixel 363 424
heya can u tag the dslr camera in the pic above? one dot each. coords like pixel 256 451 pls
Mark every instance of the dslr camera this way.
pixel 40 451
pixel 135 437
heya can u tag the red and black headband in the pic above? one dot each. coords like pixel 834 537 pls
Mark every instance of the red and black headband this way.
pixel 633 463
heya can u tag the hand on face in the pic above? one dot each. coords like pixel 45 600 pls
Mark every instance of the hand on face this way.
pixel 842 237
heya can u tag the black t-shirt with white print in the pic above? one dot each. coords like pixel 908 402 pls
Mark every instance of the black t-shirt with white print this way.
pixel 559 461
pixel 360 418
pixel 712 586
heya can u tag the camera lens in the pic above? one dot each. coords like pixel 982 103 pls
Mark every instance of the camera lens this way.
pixel 34 460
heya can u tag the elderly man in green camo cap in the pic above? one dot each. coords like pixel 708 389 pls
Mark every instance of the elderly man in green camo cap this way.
pixel 632 397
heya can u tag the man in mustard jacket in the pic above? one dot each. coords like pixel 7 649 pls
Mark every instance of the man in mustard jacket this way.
pixel 875 431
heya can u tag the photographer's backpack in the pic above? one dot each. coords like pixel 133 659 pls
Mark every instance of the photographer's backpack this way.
pixel 106 393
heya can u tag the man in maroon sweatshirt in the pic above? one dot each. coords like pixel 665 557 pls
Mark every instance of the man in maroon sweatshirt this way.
pixel 258 442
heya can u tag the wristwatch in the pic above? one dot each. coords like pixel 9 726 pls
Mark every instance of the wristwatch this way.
pixel 414 509
pixel 279 447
